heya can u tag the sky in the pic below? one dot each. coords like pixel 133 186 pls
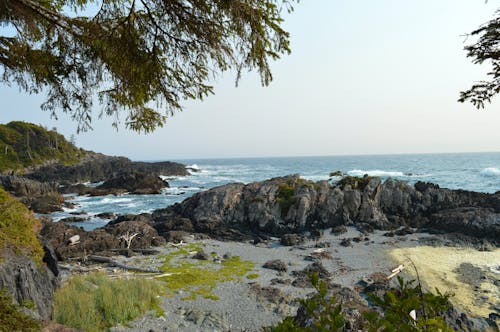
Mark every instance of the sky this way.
pixel 364 77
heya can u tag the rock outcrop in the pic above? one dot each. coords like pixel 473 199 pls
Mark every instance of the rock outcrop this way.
pixel 41 197
pixel 125 234
pixel 293 205
pixel 135 183
pixel 30 285
pixel 98 167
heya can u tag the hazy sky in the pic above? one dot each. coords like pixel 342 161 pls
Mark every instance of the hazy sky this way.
pixel 364 77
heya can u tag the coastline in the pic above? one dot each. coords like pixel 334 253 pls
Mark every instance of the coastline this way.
pixel 241 309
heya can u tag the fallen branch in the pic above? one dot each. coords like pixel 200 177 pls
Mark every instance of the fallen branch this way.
pixel 395 272
pixel 140 251
pixel 72 268
pixel 111 262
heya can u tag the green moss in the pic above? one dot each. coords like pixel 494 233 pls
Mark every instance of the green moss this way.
pixel 355 182
pixel 95 302
pixel 25 145
pixel 18 229
pixel 28 304
pixel 12 318
pixel 286 193
pixel 199 278
pixel 253 276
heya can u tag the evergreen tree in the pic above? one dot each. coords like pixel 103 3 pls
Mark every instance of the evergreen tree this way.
pixel 140 58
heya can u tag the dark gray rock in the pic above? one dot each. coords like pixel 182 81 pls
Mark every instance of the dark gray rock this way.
pixel 201 255
pixel 292 239
pixel 290 205
pixel 40 197
pixel 27 282
pixel 276 264
pixel 74 219
pixel 98 167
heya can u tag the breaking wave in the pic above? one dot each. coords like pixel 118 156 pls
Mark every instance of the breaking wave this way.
pixel 376 172
pixel 490 171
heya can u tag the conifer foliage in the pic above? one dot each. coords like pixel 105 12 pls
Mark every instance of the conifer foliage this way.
pixel 140 58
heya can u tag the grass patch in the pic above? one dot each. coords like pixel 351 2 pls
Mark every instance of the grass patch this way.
pixel 12 318
pixel 253 276
pixel 95 302
pixel 198 277
pixel 18 229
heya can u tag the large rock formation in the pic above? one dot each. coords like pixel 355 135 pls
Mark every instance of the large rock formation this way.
pixel 41 197
pixel 102 240
pixel 98 167
pixel 31 285
pixel 291 205
pixel 134 182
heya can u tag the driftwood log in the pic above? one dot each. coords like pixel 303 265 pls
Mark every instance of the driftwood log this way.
pixel 140 251
pixel 111 262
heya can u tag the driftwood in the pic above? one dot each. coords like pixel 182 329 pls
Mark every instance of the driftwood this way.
pixel 111 262
pixel 73 268
pixel 396 271
pixel 140 251
pixel 75 239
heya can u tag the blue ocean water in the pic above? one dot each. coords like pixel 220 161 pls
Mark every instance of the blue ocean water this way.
pixel 469 171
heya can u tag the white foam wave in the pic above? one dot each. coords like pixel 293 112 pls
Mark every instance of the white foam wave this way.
pixel 314 177
pixel 490 171
pixel 194 166
pixel 376 172
pixel 114 200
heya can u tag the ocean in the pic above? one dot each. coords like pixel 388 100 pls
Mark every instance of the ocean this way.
pixel 468 171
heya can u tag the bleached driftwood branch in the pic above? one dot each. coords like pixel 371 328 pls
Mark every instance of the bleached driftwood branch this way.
pixel 396 271
pixel 128 238
pixel 111 262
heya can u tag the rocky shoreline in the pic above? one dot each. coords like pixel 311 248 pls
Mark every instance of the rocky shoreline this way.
pixel 271 290
pixel 288 216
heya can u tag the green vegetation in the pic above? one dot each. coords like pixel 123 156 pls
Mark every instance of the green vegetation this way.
pixel 95 302
pixel 399 302
pixel 252 276
pixel 285 197
pixel 286 193
pixel 18 227
pixel 324 314
pixel 12 318
pixel 158 54
pixel 199 277
pixel 355 182
pixel 25 145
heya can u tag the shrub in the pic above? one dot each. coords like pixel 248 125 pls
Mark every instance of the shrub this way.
pixel 18 229
pixel 323 313
pixel 355 182
pixel 398 302
pixel 12 318
pixel 95 302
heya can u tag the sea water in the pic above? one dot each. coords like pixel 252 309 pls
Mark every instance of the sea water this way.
pixel 468 171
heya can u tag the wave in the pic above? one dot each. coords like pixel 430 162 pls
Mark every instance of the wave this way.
pixel 490 171
pixel 376 172
pixel 109 200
